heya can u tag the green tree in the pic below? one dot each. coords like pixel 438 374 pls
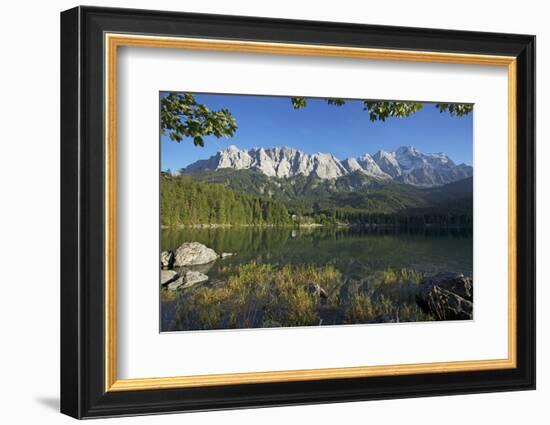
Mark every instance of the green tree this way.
pixel 182 116
pixel 184 200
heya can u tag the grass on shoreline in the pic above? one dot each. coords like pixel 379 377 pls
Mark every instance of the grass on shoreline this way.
pixel 255 295
pixel 390 276
pixel 259 295
pixel 366 308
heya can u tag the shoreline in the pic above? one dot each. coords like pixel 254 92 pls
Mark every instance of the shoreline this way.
pixel 312 225
pixel 224 226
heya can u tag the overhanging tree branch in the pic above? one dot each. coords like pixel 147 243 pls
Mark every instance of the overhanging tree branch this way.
pixel 182 116
pixel 380 110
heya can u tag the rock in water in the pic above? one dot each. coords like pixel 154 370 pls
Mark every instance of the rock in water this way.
pixel 175 284
pixel 166 259
pixel 193 278
pixel 445 305
pixel 193 253
pixel 189 279
pixel 227 254
pixel 167 276
pixel 454 282
pixel 445 297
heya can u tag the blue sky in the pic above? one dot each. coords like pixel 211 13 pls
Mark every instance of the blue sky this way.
pixel 345 131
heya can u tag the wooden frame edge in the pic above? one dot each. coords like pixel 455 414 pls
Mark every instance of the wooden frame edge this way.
pixel 512 212
pixel 114 40
pixel 137 384
pixel 110 212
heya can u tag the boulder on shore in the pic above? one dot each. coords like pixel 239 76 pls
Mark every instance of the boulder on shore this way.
pixel 193 253
pixel 166 259
pixel 447 296
pixel 187 280
pixel 454 282
pixel 167 276
pixel 193 277
pixel 175 284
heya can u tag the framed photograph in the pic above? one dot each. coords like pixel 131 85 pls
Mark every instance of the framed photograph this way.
pixel 261 212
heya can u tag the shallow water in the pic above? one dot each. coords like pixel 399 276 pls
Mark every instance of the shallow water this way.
pixel 360 255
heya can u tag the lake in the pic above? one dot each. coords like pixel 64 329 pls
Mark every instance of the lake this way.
pixel 376 273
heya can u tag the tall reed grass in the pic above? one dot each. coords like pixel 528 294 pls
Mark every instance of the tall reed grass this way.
pixel 259 295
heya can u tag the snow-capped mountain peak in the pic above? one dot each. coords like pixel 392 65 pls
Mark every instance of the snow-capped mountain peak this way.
pixel 406 165
pixel 366 165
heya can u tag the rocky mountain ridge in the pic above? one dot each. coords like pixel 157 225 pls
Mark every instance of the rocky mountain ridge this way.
pixel 405 165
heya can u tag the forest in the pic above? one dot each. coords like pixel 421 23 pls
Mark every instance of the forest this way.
pixel 188 200
pixel 184 201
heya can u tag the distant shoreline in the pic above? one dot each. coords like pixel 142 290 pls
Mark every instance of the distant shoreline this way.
pixel 309 225
pixel 221 226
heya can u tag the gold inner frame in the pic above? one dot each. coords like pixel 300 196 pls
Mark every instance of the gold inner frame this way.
pixel 113 41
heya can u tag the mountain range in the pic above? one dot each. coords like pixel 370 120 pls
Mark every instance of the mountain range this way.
pixel 405 165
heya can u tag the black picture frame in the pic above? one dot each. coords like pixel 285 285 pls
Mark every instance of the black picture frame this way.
pixel 83 392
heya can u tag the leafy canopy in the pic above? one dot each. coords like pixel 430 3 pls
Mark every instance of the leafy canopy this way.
pixel 379 110
pixel 456 109
pixel 181 116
